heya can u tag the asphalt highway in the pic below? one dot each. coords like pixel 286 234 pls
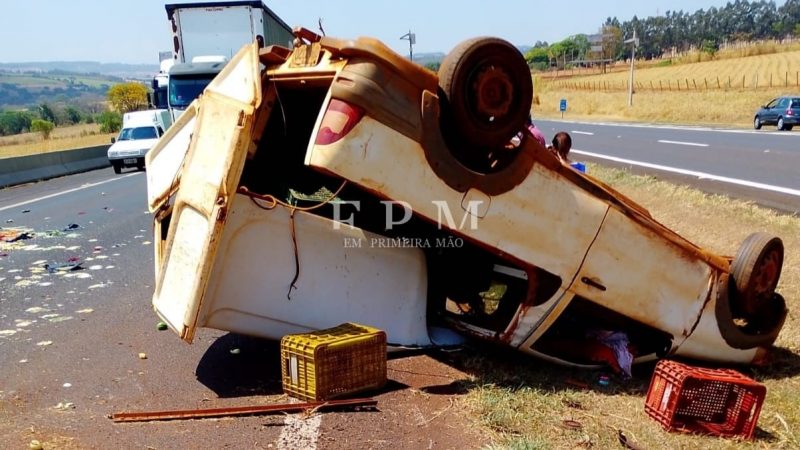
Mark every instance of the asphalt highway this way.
pixel 761 166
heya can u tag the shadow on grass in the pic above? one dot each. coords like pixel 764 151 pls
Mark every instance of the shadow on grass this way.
pixel 514 370
pixel 239 366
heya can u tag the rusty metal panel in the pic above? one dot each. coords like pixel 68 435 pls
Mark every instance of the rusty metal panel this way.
pixel 210 176
pixel 635 271
pixel 543 221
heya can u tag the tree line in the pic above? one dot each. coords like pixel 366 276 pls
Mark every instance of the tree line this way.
pixel 44 117
pixel 706 30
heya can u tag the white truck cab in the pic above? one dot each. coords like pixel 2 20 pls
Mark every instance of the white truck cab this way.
pixel 140 132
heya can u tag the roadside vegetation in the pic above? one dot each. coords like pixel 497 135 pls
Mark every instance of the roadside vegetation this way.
pixel 525 403
pixel 720 92
pixel 47 128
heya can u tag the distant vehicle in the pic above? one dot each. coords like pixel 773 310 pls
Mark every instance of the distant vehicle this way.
pixel 140 132
pixel 205 36
pixel 783 112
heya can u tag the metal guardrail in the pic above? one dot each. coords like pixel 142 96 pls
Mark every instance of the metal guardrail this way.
pixel 26 169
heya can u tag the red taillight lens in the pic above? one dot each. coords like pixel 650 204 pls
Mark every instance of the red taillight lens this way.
pixel 339 119
pixel 789 112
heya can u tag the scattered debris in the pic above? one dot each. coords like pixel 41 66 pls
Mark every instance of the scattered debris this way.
pixel 161 326
pixel 15 235
pixel 63 406
pixel 25 211
pixel 35 445
pixel 97 286
pixel 35 310
pixel 63 267
pixel 7 332
pixel 571 424
pixel 23 361
pixel 235 351
pixel 44 343
pixel 10 221
pixel 242 411
pixel 142 355
pixel 84 311
pixel 67 385
pixel 626 442
pixel 72 226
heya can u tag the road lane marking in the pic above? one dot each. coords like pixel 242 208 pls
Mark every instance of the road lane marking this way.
pixel 68 191
pixel 702 175
pixel 675 127
pixel 692 144
pixel 583 132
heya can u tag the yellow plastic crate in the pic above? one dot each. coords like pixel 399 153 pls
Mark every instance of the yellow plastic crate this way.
pixel 331 363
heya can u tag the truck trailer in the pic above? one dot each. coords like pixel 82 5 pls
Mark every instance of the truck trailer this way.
pixel 205 36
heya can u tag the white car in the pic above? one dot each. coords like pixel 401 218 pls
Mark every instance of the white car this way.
pixel 344 183
pixel 140 132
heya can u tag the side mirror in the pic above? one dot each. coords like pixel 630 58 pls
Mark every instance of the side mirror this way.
pixel 113 140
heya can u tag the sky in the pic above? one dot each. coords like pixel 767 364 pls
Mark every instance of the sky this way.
pixel 134 31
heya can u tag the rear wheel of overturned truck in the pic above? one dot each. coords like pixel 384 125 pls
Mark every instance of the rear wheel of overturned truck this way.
pixel 756 270
pixel 487 91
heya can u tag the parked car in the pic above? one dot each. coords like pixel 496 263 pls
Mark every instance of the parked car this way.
pixel 783 112
pixel 344 183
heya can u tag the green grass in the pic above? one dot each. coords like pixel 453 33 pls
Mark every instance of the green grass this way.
pixel 524 403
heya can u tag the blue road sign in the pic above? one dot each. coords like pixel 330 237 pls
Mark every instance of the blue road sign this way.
pixel 563 106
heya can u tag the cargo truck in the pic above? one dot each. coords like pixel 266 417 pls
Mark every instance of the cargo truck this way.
pixel 206 35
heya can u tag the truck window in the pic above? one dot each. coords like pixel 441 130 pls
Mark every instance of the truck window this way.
pixel 130 134
pixel 183 90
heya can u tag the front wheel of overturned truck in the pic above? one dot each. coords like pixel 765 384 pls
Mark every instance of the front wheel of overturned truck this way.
pixel 488 90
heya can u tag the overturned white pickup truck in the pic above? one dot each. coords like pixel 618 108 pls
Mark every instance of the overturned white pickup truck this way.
pixel 339 182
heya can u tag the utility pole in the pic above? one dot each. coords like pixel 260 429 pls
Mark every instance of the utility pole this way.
pixel 412 39
pixel 634 42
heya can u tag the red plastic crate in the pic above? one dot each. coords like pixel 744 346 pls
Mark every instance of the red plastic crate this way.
pixel 721 402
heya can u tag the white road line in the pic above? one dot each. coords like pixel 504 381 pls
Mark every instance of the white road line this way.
pixel 692 144
pixel 85 186
pixel 702 175
pixel 674 127
pixel 583 132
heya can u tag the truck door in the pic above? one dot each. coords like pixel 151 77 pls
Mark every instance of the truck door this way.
pixel 208 182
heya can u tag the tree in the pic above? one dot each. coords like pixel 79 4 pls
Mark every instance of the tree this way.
pixel 43 126
pixel 110 122
pixel 72 114
pixel 14 122
pixel 433 66
pixel 125 97
pixel 47 113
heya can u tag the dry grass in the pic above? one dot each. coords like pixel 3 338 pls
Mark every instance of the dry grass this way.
pixel 62 138
pixel 657 98
pixel 522 402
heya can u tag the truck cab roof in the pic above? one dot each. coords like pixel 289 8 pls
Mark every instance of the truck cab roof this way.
pixel 196 68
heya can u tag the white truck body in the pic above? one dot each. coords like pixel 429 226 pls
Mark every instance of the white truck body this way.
pixel 140 132
pixel 208 33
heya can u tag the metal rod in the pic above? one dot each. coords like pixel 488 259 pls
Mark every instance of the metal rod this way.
pixel 238 411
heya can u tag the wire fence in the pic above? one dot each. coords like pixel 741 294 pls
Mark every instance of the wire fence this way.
pixel 786 79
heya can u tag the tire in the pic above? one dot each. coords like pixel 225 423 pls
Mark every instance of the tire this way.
pixel 757 123
pixel 788 127
pixel 140 164
pixel 781 125
pixel 756 270
pixel 117 167
pixel 488 90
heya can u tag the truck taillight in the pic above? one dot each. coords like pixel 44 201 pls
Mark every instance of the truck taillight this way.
pixel 339 119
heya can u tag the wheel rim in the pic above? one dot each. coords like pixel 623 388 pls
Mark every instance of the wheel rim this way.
pixel 765 274
pixel 493 92
pixel 780 123
pixel 756 122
